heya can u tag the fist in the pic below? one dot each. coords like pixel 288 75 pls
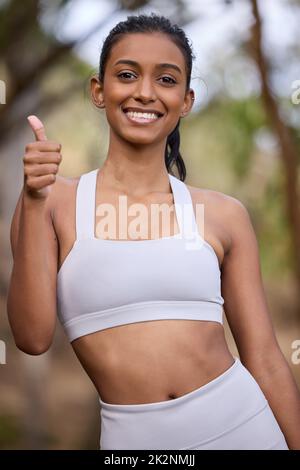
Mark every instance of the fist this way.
pixel 41 161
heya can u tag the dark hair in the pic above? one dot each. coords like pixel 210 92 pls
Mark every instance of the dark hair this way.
pixel 149 24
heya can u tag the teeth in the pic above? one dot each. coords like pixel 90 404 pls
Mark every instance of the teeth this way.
pixel 134 114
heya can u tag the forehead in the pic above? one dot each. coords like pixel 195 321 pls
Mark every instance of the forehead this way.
pixel 147 48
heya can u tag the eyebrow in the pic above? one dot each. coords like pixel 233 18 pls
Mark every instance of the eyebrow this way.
pixel 160 66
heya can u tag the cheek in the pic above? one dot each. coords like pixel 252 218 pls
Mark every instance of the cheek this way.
pixel 172 100
pixel 179 97
pixel 117 91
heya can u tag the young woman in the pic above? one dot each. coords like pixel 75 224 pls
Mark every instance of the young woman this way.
pixel 143 313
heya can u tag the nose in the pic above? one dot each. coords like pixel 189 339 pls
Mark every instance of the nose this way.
pixel 145 91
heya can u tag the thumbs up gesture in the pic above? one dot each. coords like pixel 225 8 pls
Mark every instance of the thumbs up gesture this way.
pixel 41 162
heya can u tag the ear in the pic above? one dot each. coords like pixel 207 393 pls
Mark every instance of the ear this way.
pixel 188 102
pixel 97 92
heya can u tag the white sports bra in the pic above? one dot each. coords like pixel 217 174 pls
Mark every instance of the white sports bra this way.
pixel 106 283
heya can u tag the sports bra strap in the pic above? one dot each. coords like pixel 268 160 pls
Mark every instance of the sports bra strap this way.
pixel 86 206
pixel 184 208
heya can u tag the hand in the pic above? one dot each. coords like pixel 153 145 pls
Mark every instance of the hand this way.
pixel 41 162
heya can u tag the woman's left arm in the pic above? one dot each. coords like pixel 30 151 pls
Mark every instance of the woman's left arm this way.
pixel 247 313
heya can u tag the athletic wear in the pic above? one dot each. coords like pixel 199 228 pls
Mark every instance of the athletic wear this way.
pixel 107 283
pixel 230 412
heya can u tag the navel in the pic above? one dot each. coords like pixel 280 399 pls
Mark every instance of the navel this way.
pixel 171 396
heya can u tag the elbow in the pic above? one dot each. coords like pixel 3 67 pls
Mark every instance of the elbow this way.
pixel 33 346
pixel 35 339
pixel 33 349
pixel 32 343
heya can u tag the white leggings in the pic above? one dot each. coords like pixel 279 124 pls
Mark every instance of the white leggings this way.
pixel 229 412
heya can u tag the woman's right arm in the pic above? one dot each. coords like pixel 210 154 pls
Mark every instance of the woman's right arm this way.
pixel 31 303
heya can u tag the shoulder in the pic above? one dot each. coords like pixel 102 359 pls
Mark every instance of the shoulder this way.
pixel 216 197
pixel 228 211
pixel 231 205
pixel 64 182
pixel 63 191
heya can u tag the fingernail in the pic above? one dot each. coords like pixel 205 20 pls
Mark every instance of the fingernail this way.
pixel 34 120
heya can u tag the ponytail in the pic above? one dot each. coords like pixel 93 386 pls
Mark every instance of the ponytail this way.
pixel 173 156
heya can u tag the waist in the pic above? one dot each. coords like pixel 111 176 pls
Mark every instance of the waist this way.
pixel 201 389
pixel 154 360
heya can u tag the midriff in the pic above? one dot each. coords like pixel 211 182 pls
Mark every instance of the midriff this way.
pixel 153 361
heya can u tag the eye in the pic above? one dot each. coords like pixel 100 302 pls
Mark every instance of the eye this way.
pixel 124 73
pixel 169 81
pixel 169 78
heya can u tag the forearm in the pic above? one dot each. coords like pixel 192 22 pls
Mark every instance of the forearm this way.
pixel 31 297
pixel 280 389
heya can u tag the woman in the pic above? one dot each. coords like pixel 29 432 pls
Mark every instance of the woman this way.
pixel 144 316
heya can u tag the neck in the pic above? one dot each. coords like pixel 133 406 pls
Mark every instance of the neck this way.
pixel 137 171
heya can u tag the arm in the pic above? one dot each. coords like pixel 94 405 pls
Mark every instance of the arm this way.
pixel 31 303
pixel 247 313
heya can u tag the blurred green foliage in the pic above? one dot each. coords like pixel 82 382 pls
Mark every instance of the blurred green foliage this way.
pixel 219 146
pixel 10 431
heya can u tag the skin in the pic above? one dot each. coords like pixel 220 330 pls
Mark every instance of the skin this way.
pixel 154 360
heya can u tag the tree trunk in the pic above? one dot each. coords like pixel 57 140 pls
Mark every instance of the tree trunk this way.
pixel 288 150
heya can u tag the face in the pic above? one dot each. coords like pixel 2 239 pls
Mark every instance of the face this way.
pixel 135 78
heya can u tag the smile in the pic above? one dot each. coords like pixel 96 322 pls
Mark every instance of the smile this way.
pixel 141 118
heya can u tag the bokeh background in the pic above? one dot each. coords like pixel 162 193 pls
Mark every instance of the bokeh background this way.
pixel 241 138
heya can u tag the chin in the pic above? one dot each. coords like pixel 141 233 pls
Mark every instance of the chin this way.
pixel 140 138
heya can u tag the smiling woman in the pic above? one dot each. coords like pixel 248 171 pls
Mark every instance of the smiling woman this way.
pixel 145 317
pixel 154 74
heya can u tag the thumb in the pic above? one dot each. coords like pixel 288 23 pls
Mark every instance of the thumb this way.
pixel 37 127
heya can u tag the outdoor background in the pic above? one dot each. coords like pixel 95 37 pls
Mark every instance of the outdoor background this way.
pixel 242 138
